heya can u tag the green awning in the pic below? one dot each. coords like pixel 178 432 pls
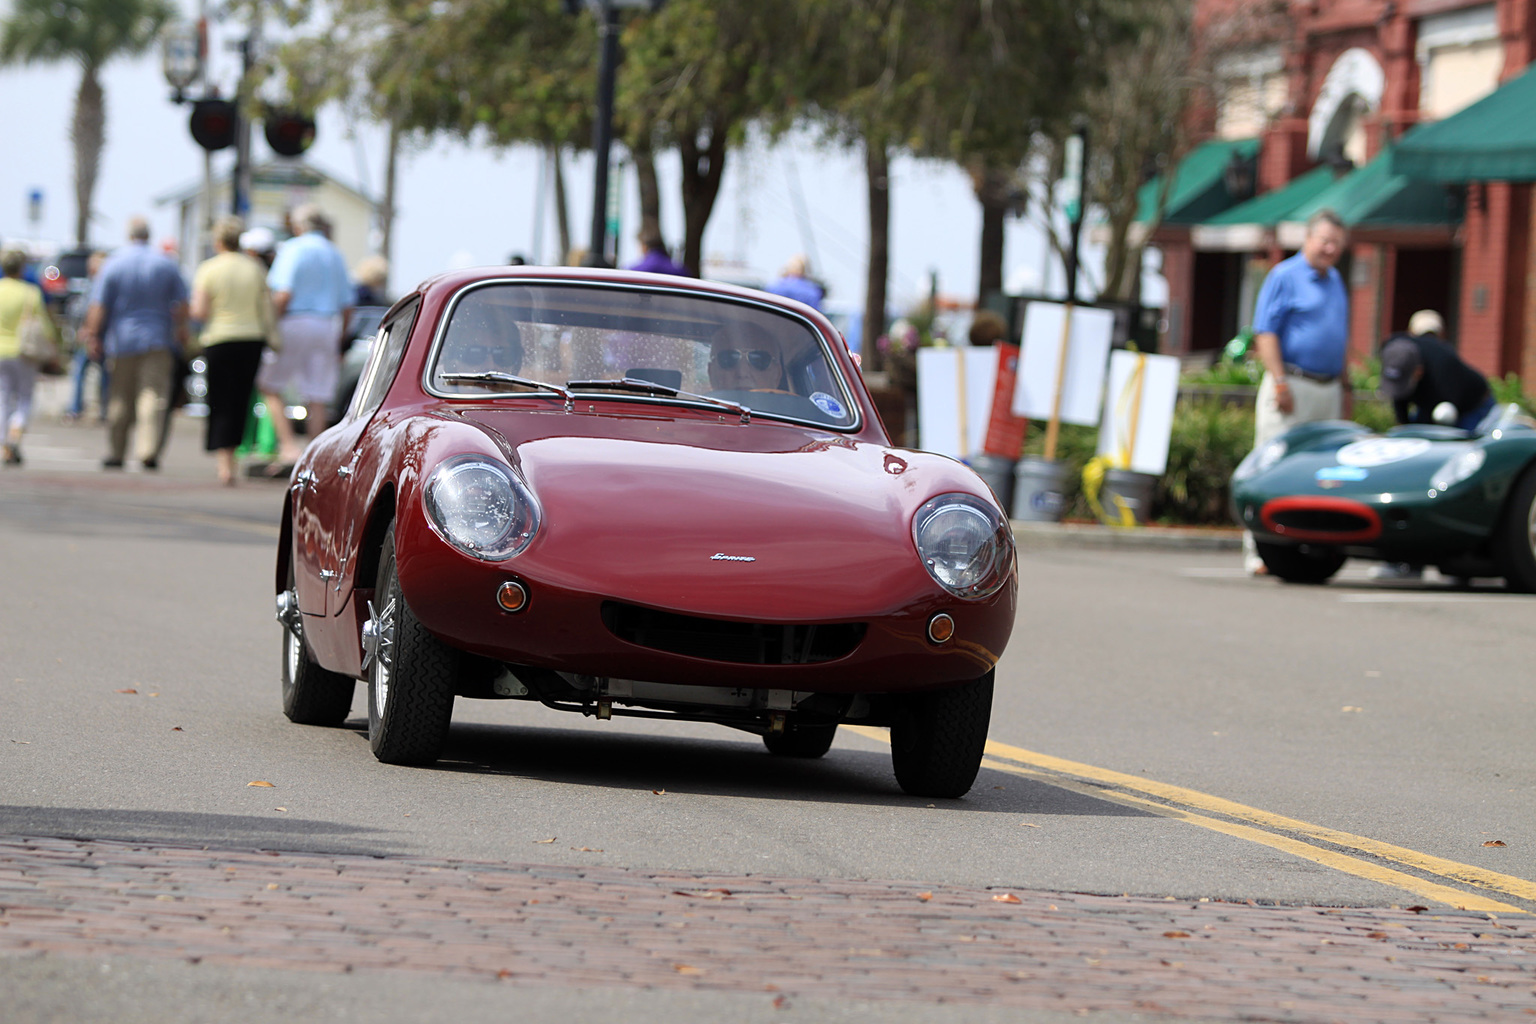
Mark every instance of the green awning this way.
pixel 1246 227
pixel 1374 197
pixel 1199 189
pixel 1492 140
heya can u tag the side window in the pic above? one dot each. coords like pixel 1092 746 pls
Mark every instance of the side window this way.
pixel 388 347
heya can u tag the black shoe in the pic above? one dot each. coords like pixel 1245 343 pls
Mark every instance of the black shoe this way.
pixel 111 463
pixel 151 463
pixel 12 455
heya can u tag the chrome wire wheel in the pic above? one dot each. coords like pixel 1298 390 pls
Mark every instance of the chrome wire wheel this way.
pixel 380 642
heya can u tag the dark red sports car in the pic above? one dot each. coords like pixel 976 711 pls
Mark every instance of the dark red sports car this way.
pixel 627 494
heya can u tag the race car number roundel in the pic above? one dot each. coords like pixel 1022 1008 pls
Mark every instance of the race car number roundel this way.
pixel 1379 451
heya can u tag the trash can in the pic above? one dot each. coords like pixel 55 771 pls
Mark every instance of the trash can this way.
pixel 998 474
pixel 1130 491
pixel 1037 490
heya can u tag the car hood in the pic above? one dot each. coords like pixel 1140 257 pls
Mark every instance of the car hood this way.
pixel 728 520
pixel 1327 459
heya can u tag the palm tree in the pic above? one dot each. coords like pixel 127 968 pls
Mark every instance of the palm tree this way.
pixel 90 33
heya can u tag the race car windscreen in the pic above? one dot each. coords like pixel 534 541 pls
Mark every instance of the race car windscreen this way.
pixel 561 334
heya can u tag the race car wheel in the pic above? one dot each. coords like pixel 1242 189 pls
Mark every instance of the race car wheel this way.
pixel 410 675
pixel 937 739
pixel 1301 563
pixel 311 695
pixel 1516 545
pixel 801 741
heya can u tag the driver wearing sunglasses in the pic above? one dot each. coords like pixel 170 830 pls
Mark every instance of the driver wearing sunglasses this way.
pixel 475 345
pixel 746 358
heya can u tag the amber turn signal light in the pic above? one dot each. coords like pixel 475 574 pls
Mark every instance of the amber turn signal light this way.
pixel 941 627
pixel 512 596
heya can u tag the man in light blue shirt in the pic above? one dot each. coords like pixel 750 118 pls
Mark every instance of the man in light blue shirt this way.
pixel 137 321
pixel 1301 335
pixel 792 283
pixel 313 296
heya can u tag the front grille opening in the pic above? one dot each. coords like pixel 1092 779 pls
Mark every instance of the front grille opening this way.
pixel 1313 520
pixel 743 643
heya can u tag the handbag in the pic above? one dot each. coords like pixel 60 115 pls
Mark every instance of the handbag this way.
pixel 37 344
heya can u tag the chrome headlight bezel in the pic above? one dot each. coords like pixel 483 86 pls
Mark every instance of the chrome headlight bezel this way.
pixel 1260 459
pixel 479 485
pixel 1458 467
pixel 980 567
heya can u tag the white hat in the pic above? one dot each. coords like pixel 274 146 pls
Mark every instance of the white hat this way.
pixel 258 240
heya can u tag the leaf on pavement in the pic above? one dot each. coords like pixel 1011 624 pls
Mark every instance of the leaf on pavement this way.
pixel 1006 897
pixel 549 840
pixel 1350 707
pixel 176 728
pixel 659 792
pixel 1495 842
pixel 925 896
pixel 585 849
pixel 685 969
pixel 283 809
pixel 1028 824
pixel 1175 935
pixel 128 689
pixel 1416 910
pixel 264 785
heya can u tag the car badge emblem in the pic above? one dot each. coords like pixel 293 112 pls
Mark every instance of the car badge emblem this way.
pixel 721 556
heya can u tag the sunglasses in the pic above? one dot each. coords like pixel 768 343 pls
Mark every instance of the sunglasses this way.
pixel 757 358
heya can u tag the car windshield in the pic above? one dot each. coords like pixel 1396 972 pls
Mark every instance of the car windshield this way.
pixel 592 338
pixel 1502 417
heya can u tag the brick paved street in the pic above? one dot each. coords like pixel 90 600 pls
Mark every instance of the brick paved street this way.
pixel 799 938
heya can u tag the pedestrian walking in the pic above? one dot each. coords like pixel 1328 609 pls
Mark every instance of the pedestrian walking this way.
pixel 793 282
pixel 137 321
pixel 20 303
pixel 1301 335
pixel 81 362
pixel 656 260
pixel 231 301
pixel 313 298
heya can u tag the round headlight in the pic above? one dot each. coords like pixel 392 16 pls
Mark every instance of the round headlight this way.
pixel 1260 459
pixel 964 543
pixel 1457 468
pixel 481 507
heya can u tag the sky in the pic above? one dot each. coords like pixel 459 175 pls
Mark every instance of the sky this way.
pixel 461 204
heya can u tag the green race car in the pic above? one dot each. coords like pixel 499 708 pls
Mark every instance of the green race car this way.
pixel 1462 501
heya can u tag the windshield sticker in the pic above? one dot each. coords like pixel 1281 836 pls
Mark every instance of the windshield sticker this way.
pixel 1342 473
pixel 827 404
pixel 1379 451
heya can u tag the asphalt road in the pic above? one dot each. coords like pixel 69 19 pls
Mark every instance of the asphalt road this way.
pixel 1164 727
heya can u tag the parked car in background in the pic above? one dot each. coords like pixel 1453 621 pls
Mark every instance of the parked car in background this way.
pixel 1462 501
pixel 617 494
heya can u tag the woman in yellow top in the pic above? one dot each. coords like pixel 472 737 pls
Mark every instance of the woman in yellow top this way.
pixel 18 301
pixel 231 301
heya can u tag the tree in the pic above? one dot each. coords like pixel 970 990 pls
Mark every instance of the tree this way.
pixel 90 33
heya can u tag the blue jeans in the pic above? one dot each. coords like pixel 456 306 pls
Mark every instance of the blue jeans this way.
pixel 77 384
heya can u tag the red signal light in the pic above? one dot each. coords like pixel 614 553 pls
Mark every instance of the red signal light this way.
pixel 213 124
pixel 289 134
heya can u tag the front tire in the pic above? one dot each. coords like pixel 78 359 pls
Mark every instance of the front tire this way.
pixel 1301 563
pixel 801 741
pixel 311 695
pixel 937 739
pixel 1516 536
pixel 410 676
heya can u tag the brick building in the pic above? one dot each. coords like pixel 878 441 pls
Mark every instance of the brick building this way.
pixel 1323 97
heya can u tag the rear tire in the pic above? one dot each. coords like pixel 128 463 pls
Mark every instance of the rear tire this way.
pixel 1301 563
pixel 1516 536
pixel 801 741
pixel 937 739
pixel 311 695
pixel 410 678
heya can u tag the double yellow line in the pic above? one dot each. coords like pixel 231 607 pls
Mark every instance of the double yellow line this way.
pixel 1276 831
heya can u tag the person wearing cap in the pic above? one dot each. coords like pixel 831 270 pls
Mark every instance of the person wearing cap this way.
pixel 260 243
pixel 1419 372
pixel 1301 334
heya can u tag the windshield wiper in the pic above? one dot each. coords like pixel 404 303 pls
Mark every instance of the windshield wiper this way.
pixel 650 387
pixel 497 377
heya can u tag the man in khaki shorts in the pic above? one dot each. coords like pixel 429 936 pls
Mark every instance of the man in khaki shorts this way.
pixel 313 298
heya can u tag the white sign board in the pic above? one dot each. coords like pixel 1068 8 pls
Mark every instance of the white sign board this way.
pixel 942 377
pixel 1142 393
pixel 1082 388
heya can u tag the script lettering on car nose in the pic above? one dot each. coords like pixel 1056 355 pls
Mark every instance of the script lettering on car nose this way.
pixel 721 556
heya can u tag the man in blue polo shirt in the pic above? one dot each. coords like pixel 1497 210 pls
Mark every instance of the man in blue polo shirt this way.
pixel 313 297
pixel 1301 334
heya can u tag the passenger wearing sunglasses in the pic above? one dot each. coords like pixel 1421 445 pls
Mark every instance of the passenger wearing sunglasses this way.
pixel 746 358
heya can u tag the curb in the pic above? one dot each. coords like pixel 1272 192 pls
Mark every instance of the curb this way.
pixel 1040 535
